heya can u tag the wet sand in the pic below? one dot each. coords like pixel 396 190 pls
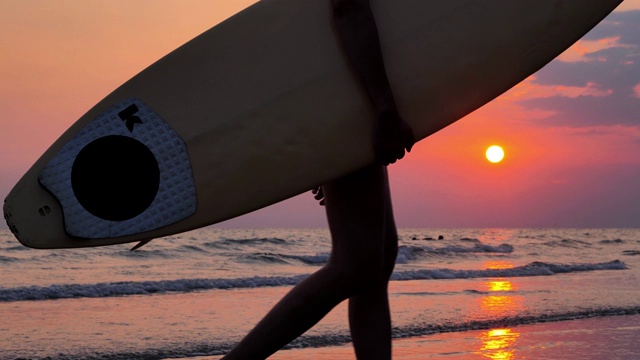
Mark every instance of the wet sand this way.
pixel 615 337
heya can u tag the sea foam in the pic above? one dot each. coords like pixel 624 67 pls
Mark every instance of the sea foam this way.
pixel 99 290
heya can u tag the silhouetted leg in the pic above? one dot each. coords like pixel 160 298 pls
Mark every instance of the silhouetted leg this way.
pixel 356 211
pixel 369 313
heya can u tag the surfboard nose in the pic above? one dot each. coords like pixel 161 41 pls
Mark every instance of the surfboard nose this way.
pixel 12 220
pixel 29 211
pixel 8 217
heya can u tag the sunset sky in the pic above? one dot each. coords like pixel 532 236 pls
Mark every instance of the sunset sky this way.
pixel 571 132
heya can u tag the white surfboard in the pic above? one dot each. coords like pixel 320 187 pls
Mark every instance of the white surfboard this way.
pixel 263 107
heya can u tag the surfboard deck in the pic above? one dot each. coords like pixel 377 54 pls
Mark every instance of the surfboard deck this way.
pixel 263 107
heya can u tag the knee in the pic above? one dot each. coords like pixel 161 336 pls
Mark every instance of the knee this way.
pixel 356 278
pixel 363 273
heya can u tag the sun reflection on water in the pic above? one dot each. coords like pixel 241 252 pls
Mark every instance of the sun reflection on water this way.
pixel 501 300
pixel 499 264
pixel 500 286
pixel 498 344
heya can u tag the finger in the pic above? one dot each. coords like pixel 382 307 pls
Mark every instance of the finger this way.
pixel 409 142
pixel 386 159
pixel 397 154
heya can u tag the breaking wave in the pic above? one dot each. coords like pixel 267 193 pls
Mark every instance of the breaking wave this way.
pixel 100 290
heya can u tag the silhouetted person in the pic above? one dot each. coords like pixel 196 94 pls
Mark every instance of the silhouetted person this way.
pixel 360 217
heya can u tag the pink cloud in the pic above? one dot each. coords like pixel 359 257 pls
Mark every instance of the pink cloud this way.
pixel 636 90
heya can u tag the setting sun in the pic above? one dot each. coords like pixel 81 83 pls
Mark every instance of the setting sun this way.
pixel 495 154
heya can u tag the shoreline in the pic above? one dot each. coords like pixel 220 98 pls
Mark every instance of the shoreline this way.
pixel 610 337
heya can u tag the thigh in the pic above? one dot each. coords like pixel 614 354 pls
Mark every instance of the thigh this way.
pixel 360 216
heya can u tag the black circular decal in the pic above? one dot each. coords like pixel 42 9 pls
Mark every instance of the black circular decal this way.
pixel 115 177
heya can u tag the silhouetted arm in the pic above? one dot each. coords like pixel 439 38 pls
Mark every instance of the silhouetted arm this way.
pixel 357 31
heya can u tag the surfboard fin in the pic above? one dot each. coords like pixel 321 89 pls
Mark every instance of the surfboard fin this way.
pixel 140 244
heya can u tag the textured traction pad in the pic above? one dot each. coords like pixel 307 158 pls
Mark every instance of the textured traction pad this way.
pixel 115 172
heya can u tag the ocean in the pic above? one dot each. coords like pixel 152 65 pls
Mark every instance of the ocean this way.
pixel 197 293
